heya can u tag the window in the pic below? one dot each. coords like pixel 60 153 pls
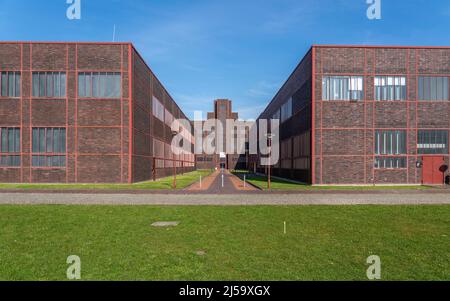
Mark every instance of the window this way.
pixel 390 88
pixel 433 88
pixel 10 84
pixel 286 110
pixel 276 115
pixel 49 84
pixel 168 118
pixel 390 142
pixel 49 147
pixel 99 84
pixel 432 142
pixel 9 147
pixel 390 163
pixel 342 88
pixel 158 109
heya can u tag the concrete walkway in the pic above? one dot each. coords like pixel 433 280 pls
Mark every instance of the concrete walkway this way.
pixel 226 199
pixel 227 183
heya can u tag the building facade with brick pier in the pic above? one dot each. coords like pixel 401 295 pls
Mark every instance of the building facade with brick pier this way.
pixel 84 113
pixel 365 115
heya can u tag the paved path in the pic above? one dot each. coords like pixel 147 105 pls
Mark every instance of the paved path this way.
pixel 226 199
pixel 227 183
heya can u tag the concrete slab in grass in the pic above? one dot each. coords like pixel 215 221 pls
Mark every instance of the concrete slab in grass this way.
pixel 165 224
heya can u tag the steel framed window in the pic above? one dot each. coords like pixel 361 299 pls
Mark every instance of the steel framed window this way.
pixel 10 147
pixel 99 84
pixel 158 109
pixel 286 111
pixel 391 145
pixel 390 162
pixel 345 88
pixel 49 147
pixel 432 142
pixel 10 83
pixel 49 84
pixel 390 88
pixel 433 88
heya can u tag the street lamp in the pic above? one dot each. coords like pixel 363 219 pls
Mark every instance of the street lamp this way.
pixel 269 143
pixel 174 162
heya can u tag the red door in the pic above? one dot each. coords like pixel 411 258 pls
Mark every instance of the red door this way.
pixel 433 170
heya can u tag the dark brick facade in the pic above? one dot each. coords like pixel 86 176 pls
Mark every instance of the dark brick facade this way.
pixel 108 140
pixel 223 110
pixel 342 132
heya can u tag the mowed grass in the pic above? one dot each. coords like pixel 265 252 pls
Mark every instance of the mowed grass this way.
pixel 261 182
pixel 183 181
pixel 241 243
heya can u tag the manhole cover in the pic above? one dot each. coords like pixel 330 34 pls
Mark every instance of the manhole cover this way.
pixel 201 253
pixel 165 224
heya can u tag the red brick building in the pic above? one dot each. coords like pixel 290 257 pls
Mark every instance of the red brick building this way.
pixel 223 111
pixel 84 113
pixel 365 115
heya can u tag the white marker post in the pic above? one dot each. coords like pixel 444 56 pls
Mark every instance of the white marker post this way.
pixel 245 178
pixel 285 228
pixel 222 181
pixel 200 182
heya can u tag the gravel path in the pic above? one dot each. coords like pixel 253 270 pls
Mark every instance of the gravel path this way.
pixel 235 199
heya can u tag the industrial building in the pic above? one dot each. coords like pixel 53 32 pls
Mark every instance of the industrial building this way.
pixel 365 115
pixel 84 113
pixel 223 111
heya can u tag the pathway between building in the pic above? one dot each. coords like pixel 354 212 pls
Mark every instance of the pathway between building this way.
pixel 222 182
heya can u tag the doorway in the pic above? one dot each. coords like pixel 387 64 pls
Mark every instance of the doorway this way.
pixel 433 170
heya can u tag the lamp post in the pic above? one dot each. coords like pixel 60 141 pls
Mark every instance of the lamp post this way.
pixel 269 143
pixel 174 184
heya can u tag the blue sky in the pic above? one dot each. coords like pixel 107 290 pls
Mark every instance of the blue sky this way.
pixel 238 49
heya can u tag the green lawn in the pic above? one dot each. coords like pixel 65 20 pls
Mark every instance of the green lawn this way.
pixel 183 181
pixel 280 184
pixel 241 243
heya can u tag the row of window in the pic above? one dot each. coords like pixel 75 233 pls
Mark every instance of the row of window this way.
pixel 54 84
pixel 387 88
pixel 48 147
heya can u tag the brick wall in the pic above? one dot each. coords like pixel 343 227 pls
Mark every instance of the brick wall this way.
pixel 344 131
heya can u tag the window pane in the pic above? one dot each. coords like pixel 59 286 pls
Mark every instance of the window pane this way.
pixel 17 140
pixel 41 84
pixel 56 84
pixel 109 85
pixel 4 141
pixel 56 141
pixel 117 85
pixel 35 84
pixel 102 85
pixel 88 79
pixel 18 84
pixel 63 85
pixel 63 141
pixel 49 148
pixel 81 85
pixel 42 140
pixel 11 84
pixel 95 85
pixel 35 140
pixel 49 85
pixel 4 84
